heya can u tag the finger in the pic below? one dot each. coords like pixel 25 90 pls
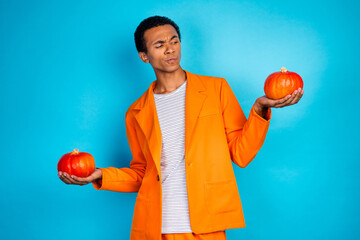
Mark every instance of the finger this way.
pixel 79 180
pixel 286 102
pixel 283 100
pixel 71 179
pixel 64 178
pixel 67 178
pixel 298 96
pixel 295 97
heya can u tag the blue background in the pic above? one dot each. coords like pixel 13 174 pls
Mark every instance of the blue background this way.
pixel 69 70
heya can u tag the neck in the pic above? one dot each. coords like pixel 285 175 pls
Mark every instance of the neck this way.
pixel 167 82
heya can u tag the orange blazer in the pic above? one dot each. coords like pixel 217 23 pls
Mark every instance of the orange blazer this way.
pixel 216 133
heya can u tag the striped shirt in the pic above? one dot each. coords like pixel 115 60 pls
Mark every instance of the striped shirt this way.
pixel 170 109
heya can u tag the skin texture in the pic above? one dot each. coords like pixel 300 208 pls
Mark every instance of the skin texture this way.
pixel 164 55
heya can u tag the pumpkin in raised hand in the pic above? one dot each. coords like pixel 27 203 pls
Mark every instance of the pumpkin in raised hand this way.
pixel 80 164
pixel 280 84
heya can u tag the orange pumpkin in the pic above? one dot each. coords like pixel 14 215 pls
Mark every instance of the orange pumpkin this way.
pixel 80 164
pixel 281 84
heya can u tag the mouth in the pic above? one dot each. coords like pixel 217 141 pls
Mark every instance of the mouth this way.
pixel 171 60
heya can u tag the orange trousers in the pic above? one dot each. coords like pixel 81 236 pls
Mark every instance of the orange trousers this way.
pixel 220 235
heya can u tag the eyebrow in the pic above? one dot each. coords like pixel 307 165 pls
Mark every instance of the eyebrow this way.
pixel 162 41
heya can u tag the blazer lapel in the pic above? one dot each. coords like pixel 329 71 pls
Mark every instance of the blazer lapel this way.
pixel 194 101
pixel 147 118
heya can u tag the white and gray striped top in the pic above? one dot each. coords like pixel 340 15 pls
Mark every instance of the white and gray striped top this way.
pixel 170 109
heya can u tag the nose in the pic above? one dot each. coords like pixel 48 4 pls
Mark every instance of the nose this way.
pixel 169 49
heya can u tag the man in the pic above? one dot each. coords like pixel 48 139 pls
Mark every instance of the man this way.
pixel 183 133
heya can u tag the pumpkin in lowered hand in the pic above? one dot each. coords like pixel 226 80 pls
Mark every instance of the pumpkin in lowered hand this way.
pixel 80 164
pixel 281 84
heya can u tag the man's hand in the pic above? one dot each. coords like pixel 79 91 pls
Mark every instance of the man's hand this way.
pixel 263 103
pixel 66 178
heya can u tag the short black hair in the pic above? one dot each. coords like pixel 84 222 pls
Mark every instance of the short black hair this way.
pixel 148 23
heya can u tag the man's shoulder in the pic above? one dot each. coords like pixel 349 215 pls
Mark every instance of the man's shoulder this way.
pixel 139 103
pixel 209 82
pixel 133 105
pixel 208 77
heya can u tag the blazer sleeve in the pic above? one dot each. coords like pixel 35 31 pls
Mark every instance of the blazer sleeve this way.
pixel 125 179
pixel 245 137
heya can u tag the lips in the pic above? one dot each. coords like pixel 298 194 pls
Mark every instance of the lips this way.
pixel 171 60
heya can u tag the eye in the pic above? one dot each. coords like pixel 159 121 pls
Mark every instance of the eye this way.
pixel 158 46
pixel 175 42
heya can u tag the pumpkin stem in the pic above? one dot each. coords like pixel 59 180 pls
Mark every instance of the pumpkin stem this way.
pixel 283 70
pixel 75 151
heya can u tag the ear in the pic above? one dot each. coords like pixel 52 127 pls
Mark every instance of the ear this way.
pixel 144 57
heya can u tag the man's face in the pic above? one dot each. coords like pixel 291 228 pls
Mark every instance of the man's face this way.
pixel 163 48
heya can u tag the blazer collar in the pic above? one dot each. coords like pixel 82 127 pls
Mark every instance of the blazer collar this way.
pixel 146 116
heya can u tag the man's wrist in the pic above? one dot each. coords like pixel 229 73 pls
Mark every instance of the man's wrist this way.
pixel 261 110
pixel 99 176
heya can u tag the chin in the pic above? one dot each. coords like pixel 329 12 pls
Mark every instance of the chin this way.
pixel 169 69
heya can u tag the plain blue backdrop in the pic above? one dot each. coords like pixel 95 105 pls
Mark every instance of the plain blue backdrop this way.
pixel 69 70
